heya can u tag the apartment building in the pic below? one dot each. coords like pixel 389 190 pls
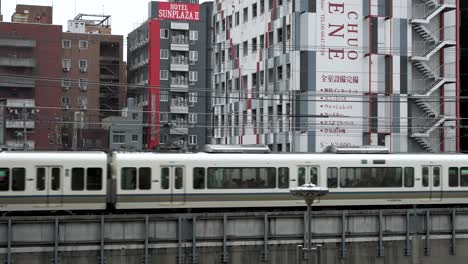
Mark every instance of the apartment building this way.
pixel 169 74
pixel 302 75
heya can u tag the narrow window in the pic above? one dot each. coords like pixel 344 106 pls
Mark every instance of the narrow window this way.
pixel 314 175
pixel 409 177
pixel 77 180
pixel 40 179
pixel 453 177
pixel 128 179
pixel 425 175
pixel 179 178
pixel 144 179
pixel 283 178
pixel 56 179
pixel 94 179
pixel 18 179
pixel 4 179
pixel 332 177
pixel 199 178
pixel 436 176
pixel 301 172
pixel 165 178
pixel 464 177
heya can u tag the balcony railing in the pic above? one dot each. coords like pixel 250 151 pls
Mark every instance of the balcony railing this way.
pixel 180 39
pixel 180 60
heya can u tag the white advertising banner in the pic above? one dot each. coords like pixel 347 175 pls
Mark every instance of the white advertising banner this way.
pixel 340 73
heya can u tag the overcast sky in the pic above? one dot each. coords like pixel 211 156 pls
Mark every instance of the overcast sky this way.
pixel 126 15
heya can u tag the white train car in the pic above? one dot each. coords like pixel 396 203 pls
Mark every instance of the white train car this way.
pixel 53 181
pixel 202 180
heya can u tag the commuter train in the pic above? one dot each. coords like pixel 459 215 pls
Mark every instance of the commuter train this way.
pixel 98 181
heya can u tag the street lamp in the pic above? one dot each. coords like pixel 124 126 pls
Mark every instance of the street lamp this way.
pixel 309 192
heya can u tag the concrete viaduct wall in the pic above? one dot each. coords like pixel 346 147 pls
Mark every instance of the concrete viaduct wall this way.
pixel 381 236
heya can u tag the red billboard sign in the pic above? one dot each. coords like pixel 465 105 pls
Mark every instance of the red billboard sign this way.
pixel 177 11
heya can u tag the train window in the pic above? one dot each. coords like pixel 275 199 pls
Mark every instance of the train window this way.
pixel 425 175
pixel 165 178
pixel 199 178
pixel 436 176
pixel 332 177
pixel 301 176
pixel 453 177
pixel 18 181
pixel 314 175
pixel 179 178
pixel 283 178
pixel 245 178
pixel 409 177
pixel 4 179
pixel 144 178
pixel 464 177
pixel 94 179
pixel 40 179
pixel 55 179
pixel 78 179
pixel 370 177
pixel 129 178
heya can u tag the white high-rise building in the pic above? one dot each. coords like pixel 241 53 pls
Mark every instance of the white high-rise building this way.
pixel 302 75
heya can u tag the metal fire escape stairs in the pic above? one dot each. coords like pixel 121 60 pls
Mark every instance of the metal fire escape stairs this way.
pixel 434 79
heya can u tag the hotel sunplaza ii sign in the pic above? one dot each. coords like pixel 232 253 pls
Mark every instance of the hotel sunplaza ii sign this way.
pixel 178 11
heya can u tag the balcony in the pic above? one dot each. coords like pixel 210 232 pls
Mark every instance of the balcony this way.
pixel 180 42
pixel 19 43
pixel 18 103
pixel 18 62
pixel 19 124
pixel 179 63
pixel 179 130
pixel 17 82
pixel 179 84
pixel 19 144
pixel 179 109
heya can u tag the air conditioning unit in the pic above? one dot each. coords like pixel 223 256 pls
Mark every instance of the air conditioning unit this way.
pixel 84 69
pixel 83 107
pixel 66 69
pixel 83 88
pixel 66 87
pixel 66 106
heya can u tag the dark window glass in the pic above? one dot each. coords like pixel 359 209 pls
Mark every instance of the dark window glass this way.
pixel 301 173
pixel 18 182
pixel 55 179
pixel 283 178
pixel 453 177
pixel 40 179
pixel 129 178
pixel 409 177
pixel 199 178
pixel 332 177
pixel 144 179
pixel 425 177
pixel 241 178
pixel 464 177
pixel 165 178
pixel 436 176
pixel 370 177
pixel 77 179
pixel 314 175
pixel 4 179
pixel 94 179
pixel 179 178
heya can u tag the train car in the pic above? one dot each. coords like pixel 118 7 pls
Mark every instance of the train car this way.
pixel 202 180
pixel 53 181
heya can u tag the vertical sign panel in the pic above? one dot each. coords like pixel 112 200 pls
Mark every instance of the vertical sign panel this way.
pixel 154 83
pixel 340 68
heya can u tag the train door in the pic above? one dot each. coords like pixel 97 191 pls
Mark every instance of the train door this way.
pixel 49 183
pixel 431 180
pixel 306 174
pixel 173 184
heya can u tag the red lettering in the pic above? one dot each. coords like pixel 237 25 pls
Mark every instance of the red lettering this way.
pixel 337 30
pixel 353 28
pixel 336 53
pixel 353 55
pixel 335 8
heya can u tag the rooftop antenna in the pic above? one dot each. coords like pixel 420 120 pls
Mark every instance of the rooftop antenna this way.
pixel 75 8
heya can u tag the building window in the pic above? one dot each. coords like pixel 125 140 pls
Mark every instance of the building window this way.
pixel 164 33
pixel 288 32
pixel 193 118
pixel 262 6
pixel 246 14
pixel 164 117
pixel 83 83
pixel 164 139
pixel 254 10
pixel 254 45
pixel 193 76
pixel 245 48
pixel 66 44
pixel 237 18
pixel 164 75
pixel 66 64
pixel 66 83
pixel 118 137
pixel 279 72
pixel 192 139
pixel 193 35
pixel 193 97
pixel 135 138
pixel 82 101
pixel 83 44
pixel 65 101
pixel 279 33
pixel 193 55
pixel 83 65
pixel 164 96
pixel 164 54
pixel 288 71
